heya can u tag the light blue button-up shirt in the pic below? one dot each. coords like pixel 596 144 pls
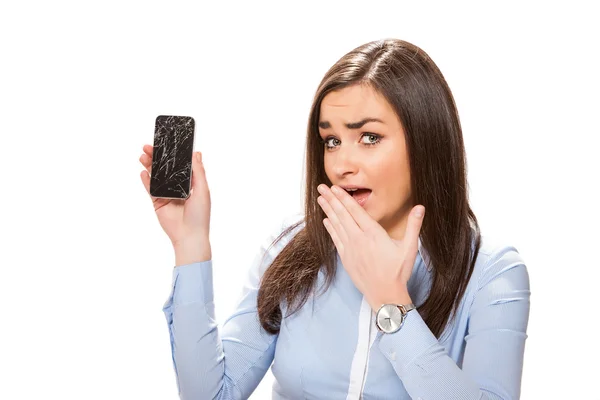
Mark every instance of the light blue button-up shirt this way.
pixel 331 348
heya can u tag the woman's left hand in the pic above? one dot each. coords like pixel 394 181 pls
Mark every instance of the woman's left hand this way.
pixel 378 265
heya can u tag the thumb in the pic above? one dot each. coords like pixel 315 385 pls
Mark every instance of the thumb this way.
pixel 199 183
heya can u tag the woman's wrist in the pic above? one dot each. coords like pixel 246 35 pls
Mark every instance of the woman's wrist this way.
pixel 402 298
pixel 192 251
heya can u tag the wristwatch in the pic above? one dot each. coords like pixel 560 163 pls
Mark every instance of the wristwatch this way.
pixel 390 317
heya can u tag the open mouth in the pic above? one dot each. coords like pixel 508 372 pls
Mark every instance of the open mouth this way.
pixel 360 195
pixel 354 192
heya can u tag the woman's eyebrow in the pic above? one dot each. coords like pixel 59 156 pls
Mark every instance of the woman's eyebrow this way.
pixel 351 125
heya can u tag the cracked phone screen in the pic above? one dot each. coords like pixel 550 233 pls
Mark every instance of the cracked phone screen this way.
pixel 172 157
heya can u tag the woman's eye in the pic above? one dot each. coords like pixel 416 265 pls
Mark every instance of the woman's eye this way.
pixel 371 138
pixel 328 142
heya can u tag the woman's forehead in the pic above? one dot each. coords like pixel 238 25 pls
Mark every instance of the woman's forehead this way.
pixel 354 104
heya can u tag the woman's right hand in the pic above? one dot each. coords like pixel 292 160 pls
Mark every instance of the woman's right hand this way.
pixel 186 222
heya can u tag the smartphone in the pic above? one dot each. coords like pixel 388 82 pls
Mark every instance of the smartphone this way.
pixel 171 176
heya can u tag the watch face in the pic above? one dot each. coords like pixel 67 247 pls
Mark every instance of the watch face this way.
pixel 389 318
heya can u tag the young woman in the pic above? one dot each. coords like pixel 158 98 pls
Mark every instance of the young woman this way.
pixel 384 287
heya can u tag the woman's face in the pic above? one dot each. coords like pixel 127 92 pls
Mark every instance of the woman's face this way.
pixel 365 147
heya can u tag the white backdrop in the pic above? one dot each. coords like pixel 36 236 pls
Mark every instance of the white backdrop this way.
pixel 85 267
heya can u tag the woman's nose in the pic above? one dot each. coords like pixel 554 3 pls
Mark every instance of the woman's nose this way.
pixel 345 161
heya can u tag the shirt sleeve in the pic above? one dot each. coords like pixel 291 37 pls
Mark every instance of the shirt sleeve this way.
pixel 493 360
pixel 213 363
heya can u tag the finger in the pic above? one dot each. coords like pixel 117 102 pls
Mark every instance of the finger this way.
pixel 146 180
pixel 360 216
pixel 148 150
pixel 413 230
pixel 346 221
pixel 334 236
pixel 200 189
pixel 146 162
pixel 333 219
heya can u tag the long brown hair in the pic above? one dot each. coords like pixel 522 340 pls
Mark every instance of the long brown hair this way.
pixel 411 82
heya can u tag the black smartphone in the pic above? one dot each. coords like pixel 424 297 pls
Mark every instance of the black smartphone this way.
pixel 171 176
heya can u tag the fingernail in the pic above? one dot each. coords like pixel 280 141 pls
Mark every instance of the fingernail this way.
pixel 419 212
pixel 199 156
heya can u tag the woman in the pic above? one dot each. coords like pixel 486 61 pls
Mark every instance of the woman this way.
pixel 384 289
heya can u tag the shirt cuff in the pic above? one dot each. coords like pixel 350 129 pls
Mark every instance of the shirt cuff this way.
pixel 411 341
pixel 193 283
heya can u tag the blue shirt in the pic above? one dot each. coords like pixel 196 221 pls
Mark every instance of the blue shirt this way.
pixel 331 349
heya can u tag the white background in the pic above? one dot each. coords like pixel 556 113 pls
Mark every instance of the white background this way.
pixel 85 267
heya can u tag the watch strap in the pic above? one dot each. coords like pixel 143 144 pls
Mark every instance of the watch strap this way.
pixel 405 308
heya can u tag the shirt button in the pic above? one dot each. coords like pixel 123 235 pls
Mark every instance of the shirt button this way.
pixel 393 357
